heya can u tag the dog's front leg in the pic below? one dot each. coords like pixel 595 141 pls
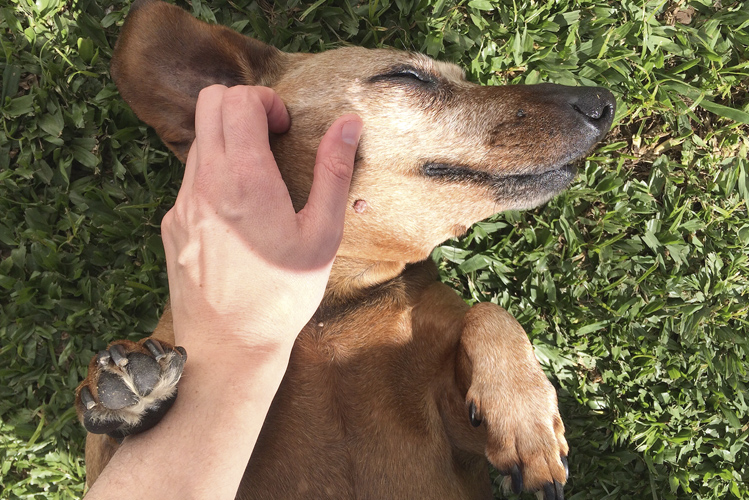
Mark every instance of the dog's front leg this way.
pixel 509 395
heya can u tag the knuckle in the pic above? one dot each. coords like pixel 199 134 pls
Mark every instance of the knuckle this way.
pixel 175 220
pixel 167 221
pixel 211 90
pixel 245 99
pixel 236 95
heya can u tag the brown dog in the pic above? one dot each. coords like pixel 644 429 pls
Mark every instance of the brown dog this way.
pixel 396 389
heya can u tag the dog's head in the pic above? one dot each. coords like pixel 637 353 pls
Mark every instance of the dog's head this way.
pixel 437 153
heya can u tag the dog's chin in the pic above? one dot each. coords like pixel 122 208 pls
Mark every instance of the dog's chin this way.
pixel 520 192
pixel 511 192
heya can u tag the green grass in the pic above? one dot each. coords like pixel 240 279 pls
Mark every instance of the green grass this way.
pixel 634 285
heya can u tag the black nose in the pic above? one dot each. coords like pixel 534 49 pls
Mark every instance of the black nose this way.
pixel 596 104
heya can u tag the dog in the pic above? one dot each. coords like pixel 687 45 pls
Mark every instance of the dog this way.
pixel 395 388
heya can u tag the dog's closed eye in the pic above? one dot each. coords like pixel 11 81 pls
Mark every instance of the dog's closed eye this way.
pixel 406 75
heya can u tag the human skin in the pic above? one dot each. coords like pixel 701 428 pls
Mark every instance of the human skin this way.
pixel 246 273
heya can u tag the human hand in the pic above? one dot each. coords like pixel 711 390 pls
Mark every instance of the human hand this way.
pixel 246 270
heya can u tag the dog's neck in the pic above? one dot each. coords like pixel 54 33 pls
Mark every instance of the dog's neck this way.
pixel 352 280
pixel 350 277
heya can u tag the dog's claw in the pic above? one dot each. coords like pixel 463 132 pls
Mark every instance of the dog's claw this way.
pixel 87 398
pixel 549 493
pixel 553 491
pixel 473 414
pixel 103 358
pixel 118 355
pixel 559 487
pixel 566 465
pixel 155 349
pixel 517 479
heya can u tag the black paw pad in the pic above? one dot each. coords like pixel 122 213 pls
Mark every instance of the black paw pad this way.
pixel 145 372
pixel 148 419
pixel 114 394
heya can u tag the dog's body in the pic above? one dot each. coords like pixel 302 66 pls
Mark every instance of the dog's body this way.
pixel 396 388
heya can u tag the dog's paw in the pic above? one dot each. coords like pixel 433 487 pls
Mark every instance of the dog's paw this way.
pixel 509 396
pixel 130 387
pixel 525 434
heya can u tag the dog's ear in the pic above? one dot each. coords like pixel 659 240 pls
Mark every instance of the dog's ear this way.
pixel 165 56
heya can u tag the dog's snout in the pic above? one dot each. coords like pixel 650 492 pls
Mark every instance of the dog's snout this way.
pixel 597 105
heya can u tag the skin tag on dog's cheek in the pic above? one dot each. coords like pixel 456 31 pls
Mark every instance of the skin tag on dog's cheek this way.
pixel 360 206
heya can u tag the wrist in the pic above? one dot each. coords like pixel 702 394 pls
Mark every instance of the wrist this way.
pixel 240 333
pixel 244 367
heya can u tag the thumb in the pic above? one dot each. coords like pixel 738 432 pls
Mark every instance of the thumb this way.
pixel 326 205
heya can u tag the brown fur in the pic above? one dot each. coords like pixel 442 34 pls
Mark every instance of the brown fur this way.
pixel 375 403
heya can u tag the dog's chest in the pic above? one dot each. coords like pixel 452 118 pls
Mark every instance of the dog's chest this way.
pixel 358 411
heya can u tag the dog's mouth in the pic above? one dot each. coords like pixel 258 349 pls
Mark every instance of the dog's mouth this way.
pixel 520 190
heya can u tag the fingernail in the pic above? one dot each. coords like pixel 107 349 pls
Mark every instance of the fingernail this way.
pixel 351 131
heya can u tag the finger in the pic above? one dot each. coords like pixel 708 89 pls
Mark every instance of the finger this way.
pixel 209 134
pixel 248 114
pixel 326 205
